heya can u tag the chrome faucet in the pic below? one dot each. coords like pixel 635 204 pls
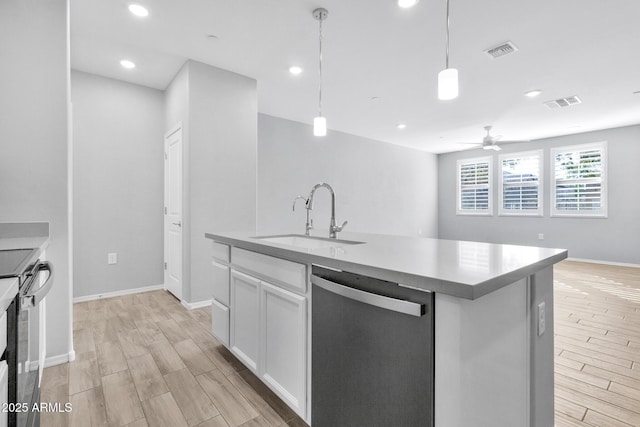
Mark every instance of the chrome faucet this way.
pixel 333 228
pixel 309 225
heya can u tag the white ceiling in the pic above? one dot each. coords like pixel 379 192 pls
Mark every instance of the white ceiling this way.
pixel 372 48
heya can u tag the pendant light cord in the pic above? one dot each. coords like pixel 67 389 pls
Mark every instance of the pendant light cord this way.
pixel 447 60
pixel 320 73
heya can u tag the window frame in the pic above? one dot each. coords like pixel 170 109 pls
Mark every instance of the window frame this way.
pixel 475 212
pixel 603 211
pixel 540 183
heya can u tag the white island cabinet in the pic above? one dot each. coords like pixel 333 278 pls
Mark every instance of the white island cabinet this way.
pixel 260 313
pixel 493 363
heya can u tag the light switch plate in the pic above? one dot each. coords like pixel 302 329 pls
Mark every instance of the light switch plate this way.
pixel 112 258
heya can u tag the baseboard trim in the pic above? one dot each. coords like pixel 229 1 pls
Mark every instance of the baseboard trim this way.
pixel 595 261
pixel 117 293
pixel 194 305
pixel 60 359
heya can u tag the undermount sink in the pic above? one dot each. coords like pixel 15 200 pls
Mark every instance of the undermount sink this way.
pixel 307 242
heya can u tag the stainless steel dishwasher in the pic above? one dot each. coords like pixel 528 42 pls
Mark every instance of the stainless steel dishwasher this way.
pixel 372 352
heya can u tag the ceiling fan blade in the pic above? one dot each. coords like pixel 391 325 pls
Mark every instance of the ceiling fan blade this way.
pixel 512 141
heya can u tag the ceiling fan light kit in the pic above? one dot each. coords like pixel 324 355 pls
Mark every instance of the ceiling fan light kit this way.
pixel 491 146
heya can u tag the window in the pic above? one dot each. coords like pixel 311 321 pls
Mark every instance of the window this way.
pixel 474 187
pixel 521 184
pixel 579 180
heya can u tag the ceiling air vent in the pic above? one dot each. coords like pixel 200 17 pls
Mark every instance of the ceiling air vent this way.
pixel 563 102
pixel 501 50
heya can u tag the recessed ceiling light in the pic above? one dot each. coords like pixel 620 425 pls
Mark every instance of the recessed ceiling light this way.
pixel 127 64
pixel 138 10
pixel 295 70
pixel 375 98
pixel 401 126
pixel 405 4
pixel 212 37
pixel 533 93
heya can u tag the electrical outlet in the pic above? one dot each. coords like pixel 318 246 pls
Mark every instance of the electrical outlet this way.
pixel 540 236
pixel 112 258
pixel 541 319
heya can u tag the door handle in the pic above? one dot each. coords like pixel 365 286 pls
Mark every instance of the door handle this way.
pixel 179 223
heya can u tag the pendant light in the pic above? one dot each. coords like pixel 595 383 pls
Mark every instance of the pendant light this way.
pixel 320 122
pixel 448 78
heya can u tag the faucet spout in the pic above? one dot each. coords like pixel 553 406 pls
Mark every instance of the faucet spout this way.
pixel 333 228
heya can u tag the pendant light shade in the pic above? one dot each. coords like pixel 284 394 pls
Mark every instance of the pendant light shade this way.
pixel 320 126
pixel 448 84
pixel 320 122
pixel 447 78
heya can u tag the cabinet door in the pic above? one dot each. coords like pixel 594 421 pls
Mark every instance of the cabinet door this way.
pixel 244 309
pixel 284 344
pixel 220 282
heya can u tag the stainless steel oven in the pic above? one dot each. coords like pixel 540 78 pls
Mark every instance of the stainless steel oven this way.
pixel 26 335
pixel 31 339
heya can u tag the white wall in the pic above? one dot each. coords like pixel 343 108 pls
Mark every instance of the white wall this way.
pixel 34 139
pixel 613 239
pixel 118 184
pixel 218 110
pixel 380 188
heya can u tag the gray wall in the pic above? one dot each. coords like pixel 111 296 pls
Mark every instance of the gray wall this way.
pixel 380 188
pixel 118 184
pixel 176 111
pixel 218 110
pixel 34 139
pixel 613 239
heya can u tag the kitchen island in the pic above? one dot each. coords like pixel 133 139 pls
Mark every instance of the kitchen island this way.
pixel 493 316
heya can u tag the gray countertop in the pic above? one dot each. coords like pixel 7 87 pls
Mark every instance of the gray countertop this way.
pixel 459 268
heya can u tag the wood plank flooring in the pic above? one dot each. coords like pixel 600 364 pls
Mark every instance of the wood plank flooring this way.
pixel 144 360
pixel 597 345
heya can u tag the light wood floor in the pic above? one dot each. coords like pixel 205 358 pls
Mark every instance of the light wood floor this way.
pixel 144 360
pixel 597 344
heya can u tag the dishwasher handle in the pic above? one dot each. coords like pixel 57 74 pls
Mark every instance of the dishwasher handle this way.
pixel 387 303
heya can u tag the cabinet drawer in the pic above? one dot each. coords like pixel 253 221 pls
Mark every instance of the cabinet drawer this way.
pixel 220 322
pixel 220 252
pixel 221 282
pixel 3 332
pixel 281 271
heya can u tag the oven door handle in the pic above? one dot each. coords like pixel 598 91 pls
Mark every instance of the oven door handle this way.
pixel 33 299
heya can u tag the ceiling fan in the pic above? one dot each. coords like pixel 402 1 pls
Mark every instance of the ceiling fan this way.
pixel 490 142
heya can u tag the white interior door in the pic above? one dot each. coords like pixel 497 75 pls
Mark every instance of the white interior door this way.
pixel 173 211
